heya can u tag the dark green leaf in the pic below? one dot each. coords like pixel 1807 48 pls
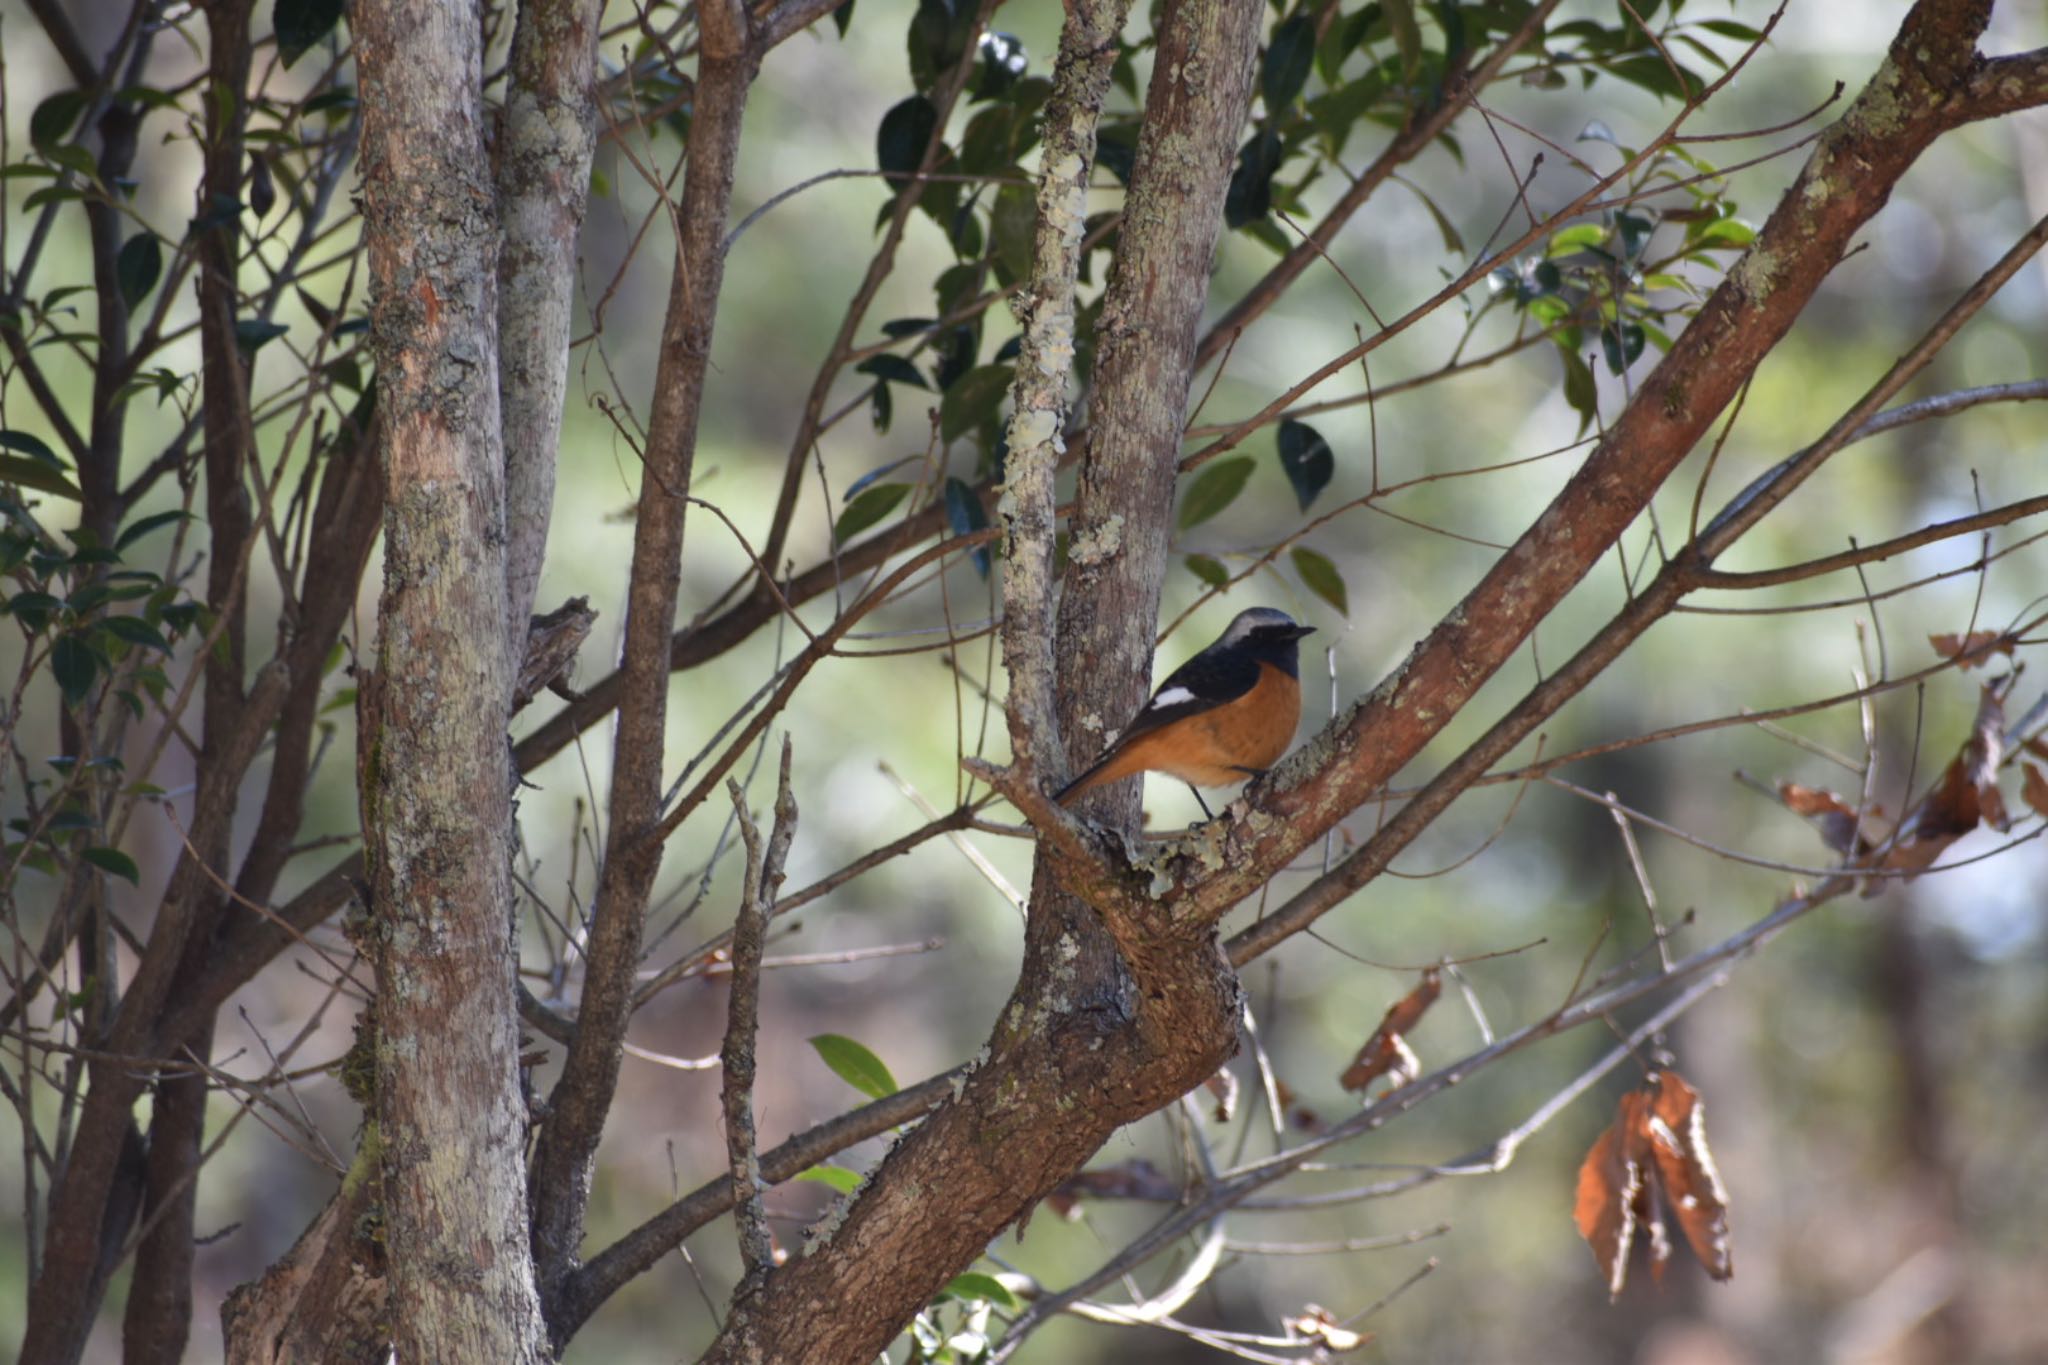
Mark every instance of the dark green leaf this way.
pixel 843 17
pixel 1289 57
pixel 252 333
pixel 113 860
pixel 965 515
pixel 135 631
pixel 874 476
pixel 1250 196
pixel 905 133
pixel 1320 577
pixel 32 609
pixel 894 368
pixel 1306 457
pixel 1620 352
pixel 74 665
pixel 51 122
pixel 1214 489
pixel 32 446
pixel 1208 570
pixel 302 23
pixel 36 477
pixel 1407 35
pixel 1116 150
pixel 1014 219
pixel 855 1065
pixel 985 147
pixel 882 407
pixel 973 400
pixel 938 39
pixel 1728 28
pixel 137 267
pixel 972 1284
pixel 869 508
pixel 838 1177
pixel 956 351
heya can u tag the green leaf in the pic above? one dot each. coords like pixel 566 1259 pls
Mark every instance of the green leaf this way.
pixel 855 1065
pixel 867 509
pixel 894 368
pixel 136 530
pixel 1578 237
pixel 74 665
pixel 115 861
pixel 973 400
pixel 1214 489
pixel 31 446
pixel 1014 219
pixel 136 268
pixel 252 333
pixel 842 17
pixel 1306 457
pixel 838 1177
pixel 1288 60
pixel 1579 389
pixel 1209 570
pixel 965 515
pixel 905 132
pixel 1250 196
pixel 37 477
pixel 972 1284
pixel 302 23
pixel 938 39
pixel 32 609
pixel 51 122
pixel 135 631
pixel 1320 577
pixel 874 476
pixel 1407 34
pixel 1724 232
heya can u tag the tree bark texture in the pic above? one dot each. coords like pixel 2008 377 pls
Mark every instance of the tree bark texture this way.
pixel 436 776
pixel 1086 1043
pixel 581 1100
pixel 544 150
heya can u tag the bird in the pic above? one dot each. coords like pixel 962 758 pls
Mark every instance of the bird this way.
pixel 1223 716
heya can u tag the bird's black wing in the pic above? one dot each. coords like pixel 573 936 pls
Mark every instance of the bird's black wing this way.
pixel 1202 683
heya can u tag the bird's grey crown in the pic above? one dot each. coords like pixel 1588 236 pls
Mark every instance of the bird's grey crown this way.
pixel 1254 619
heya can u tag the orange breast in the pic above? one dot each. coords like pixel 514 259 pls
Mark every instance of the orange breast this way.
pixel 1218 746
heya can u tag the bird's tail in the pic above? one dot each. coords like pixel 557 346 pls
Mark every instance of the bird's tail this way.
pixel 1104 769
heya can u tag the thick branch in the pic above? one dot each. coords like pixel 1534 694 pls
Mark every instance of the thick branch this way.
pixel 1908 103
pixel 543 182
pixel 436 784
pixel 560 1185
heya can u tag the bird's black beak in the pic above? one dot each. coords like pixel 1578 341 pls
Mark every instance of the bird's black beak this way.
pixel 1300 631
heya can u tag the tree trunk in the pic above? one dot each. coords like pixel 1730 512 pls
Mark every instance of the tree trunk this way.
pixel 436 775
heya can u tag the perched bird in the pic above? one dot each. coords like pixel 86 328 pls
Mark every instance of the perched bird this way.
pixel 1223 716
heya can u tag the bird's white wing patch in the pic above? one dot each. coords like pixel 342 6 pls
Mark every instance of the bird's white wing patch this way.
pixel 1172 696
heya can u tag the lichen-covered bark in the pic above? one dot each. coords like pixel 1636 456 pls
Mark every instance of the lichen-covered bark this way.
pixel 1092 1038
pixel 1045 362
pixel 544 149
pixel 436 784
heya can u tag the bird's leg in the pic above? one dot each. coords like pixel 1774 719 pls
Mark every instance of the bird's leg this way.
pixel 1200 802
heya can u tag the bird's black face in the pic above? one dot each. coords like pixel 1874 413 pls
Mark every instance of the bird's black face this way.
pixel 1269 636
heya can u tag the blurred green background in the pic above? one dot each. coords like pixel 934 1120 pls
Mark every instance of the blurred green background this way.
pixel 1875 1077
